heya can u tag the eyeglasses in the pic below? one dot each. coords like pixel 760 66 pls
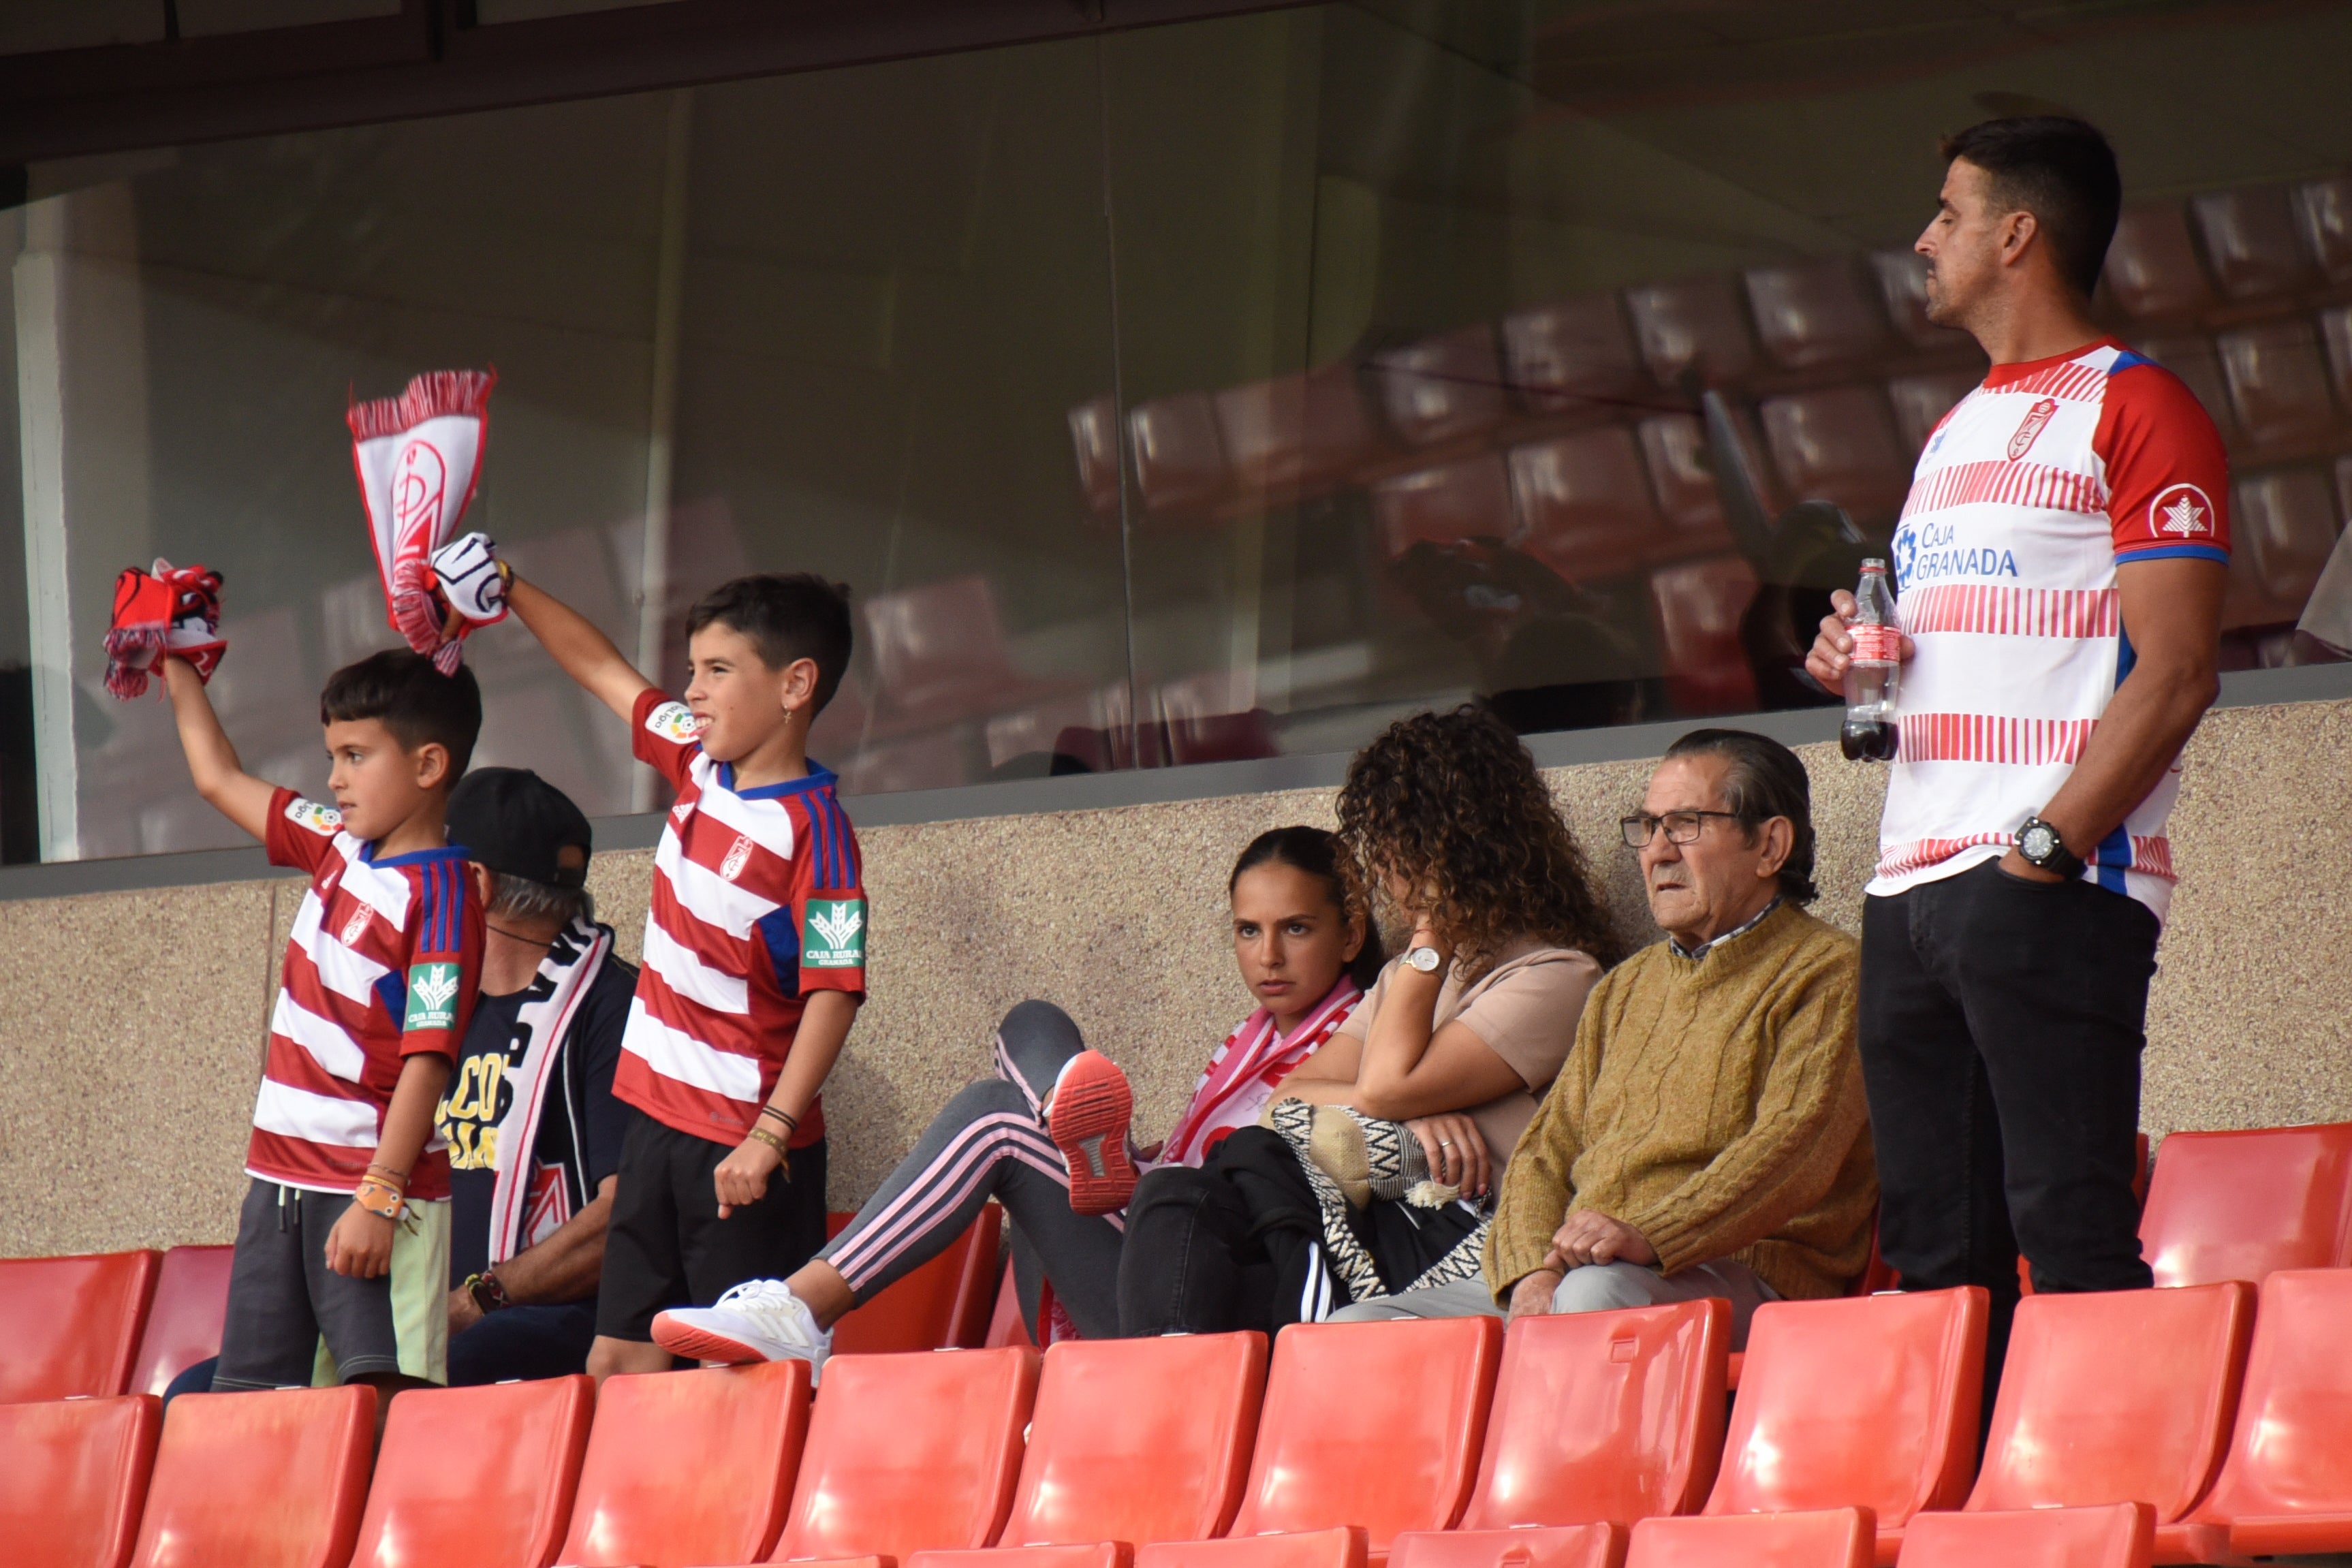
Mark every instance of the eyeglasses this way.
pixel 1681 826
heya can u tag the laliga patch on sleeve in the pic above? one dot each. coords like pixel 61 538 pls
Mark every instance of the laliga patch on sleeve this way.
pixel 673 722
pixel 432 996
pixel 308 814
pixel 836 935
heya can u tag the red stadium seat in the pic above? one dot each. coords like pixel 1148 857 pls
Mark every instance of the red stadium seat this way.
pixel 74 1477
pixel 2287 1486
pixel 1869 1400
pixel 688 1466
pixel 1443 389
pixel 2237 1205
pixel 1693 326
pixel 2152 269
pixel 1006 1326
pixel 1138 1441
pixel 476 1477
pixel 2251 240
pixel 1585 503
pixel 942 1303
pixel 1342 1547
pixel 1094 436
pixel 1820 1538
pixel 1377 1425
pixel 1839 446
pixel 2118 1535
pixel 72 1324
pixel 184 1321
pixel 1567 357
pixel 1698 605
pixel 1920 400
pixel 1527 1546
pixel 2278 382
pixel 2116 1397
pixel 2283 527
pixel 1180 461
pixel 1604 1416
pixel 272 1479
pixel 1816 313
pixel 910 1453
pixel 1456 500
pixel 1296 432
pixel 1096 1554
pixel 2322 212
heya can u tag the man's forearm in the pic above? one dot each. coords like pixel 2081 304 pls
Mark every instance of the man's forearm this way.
pixel 2137 741
pixel 567 1266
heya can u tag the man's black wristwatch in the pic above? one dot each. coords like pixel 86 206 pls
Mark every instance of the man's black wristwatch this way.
pixel 2038 846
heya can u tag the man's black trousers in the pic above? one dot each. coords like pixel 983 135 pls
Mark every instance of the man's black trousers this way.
pixel 2002 1022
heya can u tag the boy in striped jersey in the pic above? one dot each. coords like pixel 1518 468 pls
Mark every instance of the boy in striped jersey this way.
pixel 343 1251
pixel 754 952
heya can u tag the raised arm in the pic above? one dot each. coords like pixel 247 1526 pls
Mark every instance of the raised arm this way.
pixel 585 654
pixel 213 762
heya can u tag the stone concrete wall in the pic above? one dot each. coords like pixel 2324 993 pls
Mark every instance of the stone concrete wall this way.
pixel 132 1024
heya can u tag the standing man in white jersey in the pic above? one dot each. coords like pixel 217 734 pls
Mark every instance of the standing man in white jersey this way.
pixel 2058 569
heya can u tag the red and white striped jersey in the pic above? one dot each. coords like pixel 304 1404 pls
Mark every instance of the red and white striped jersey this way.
pixel 2031 493
pixel 757 901
pixel 385 961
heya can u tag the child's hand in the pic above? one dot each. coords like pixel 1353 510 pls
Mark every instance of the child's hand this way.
pixel 742 1177
pixel 361 1245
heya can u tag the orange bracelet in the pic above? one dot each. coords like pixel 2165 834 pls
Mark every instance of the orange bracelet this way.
pixel 393 1203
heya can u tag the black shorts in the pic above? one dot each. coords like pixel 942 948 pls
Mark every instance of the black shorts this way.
pixel 668 1246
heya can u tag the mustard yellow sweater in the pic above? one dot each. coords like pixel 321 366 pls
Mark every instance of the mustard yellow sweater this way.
pixel 1716 1107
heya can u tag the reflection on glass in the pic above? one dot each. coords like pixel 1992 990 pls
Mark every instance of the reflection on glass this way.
pixel 1205 392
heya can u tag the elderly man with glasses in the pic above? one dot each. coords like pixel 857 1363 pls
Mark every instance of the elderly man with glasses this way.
pixel 1709 1135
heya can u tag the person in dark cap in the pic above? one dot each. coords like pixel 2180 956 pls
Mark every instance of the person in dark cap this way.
pixel 534 1132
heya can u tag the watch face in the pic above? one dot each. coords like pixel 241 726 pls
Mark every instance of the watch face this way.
pixel 2036 842
pixel 1422 958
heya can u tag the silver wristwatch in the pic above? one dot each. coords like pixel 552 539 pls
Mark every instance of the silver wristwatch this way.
pixel 1424 959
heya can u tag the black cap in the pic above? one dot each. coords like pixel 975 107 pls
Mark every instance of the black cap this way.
pixel 518 824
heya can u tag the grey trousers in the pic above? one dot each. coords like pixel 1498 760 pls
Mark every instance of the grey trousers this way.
pixel 1594 1288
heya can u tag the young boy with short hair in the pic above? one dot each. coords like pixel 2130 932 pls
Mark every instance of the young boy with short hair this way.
pixel 754 952
pixel 342 1249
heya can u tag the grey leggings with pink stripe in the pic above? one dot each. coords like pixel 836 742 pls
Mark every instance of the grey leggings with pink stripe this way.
pixel 991 1143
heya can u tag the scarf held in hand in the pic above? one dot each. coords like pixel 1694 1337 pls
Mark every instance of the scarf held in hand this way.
pixel 418 457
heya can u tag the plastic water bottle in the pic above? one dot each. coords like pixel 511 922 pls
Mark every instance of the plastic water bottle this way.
pixel 1873 677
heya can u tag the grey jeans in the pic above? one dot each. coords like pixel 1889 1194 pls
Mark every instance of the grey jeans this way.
pixel 1594 1288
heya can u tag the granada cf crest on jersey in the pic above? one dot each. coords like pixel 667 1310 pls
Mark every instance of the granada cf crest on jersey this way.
pixel 353 927
pixel 738 855
pixel 2031 426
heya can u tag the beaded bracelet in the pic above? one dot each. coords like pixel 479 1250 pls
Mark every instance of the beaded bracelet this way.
pixel 783 1150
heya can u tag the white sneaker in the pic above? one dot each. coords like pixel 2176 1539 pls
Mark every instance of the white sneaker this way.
pixel 760 1320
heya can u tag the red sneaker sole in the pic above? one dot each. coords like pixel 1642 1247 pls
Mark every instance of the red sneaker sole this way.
pixel 1088 1122
pixel 701 1344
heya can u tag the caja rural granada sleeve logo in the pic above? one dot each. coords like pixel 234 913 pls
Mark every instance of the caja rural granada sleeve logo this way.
pixel 432 996
pixel 836 935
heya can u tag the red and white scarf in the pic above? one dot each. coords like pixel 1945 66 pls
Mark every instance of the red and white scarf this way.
pixel 418 456
pixel 1241 1078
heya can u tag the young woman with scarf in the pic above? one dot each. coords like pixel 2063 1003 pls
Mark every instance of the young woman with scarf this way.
pixel 1047 1136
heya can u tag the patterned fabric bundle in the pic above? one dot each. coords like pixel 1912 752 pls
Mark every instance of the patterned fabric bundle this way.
pixel 1349 1258
pixel 171 610
pixel 418 457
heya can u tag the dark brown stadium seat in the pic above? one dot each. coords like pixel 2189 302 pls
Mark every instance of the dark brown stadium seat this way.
pixel 2323 211
pixel 2278 382
pixel 2336 333
pixel 2152 269
pixel 2250 241
pixel 1921 400
pixel 1673 450
pixel 1694 325
pixel 1565 358
pixel 73 1478
pixel 1296 432
pixel 1461 499
pixel 1816 313
pixel 184 1320
pixel 2287 1486
pixel 1443 389
pixel 1094 435
pixel 2283 525
pixel 1585 503
pixel 1839 445
pixel 1180 462
pixel 71 1324
pixel 1698 605
pixel 940 656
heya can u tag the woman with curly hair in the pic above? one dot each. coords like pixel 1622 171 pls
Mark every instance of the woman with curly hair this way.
pixel 1372 1170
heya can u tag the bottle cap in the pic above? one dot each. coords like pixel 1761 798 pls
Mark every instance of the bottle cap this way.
pixel 1874 564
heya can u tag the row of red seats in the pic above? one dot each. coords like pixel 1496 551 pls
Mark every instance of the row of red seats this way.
pixel 2210 1433
pixel 118 1322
